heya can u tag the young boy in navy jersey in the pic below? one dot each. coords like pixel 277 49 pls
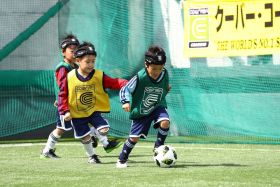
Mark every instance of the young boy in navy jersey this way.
pixel 86 98
pixel 144 98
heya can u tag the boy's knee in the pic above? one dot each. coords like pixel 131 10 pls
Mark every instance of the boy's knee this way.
pixel 164 124
pixel 58 132
pixel 104 131
pixel 86 139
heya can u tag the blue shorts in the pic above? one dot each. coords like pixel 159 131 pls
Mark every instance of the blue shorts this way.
pixel 140 127
pixel 61 124
pixel 81 125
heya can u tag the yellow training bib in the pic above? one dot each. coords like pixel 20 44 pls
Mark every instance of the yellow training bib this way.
pixel 87 97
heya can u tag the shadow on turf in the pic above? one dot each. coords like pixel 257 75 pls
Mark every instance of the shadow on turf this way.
pixel 179 165
pixel 182 165
pixel 130 161
pixel 112 156
pixel 188 164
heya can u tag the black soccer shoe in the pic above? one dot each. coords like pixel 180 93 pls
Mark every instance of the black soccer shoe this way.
pixel 113 144
pixel 155 147
pixel 49 154
pixel 94 159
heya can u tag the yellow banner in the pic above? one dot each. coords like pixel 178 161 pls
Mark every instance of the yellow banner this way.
pixel 231 27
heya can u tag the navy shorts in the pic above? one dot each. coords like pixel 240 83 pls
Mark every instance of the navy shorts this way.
pixel 81 125
pixel 61 124
pixel 140 127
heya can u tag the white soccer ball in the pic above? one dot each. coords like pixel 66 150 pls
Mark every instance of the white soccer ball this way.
pixel 165 156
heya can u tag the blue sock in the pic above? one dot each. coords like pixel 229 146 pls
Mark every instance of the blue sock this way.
pixel 161 136
pixel 127 148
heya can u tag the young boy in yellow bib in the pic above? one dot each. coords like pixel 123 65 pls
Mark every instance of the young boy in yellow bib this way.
pixel 68 45
pixel 87 98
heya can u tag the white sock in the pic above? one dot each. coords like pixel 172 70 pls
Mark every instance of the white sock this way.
pixel 88 148
pixel 52 140
pixel 103 139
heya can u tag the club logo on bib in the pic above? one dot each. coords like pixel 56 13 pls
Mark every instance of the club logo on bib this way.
pixel 152 96
pixel 85 97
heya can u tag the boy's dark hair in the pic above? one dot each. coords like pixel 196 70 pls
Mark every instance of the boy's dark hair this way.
pixel 155 55
pixel 85 48
pixel 70 39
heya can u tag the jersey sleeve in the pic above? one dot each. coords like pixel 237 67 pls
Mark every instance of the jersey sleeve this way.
pixel 61 80
pixel 113 83
pixel 127 90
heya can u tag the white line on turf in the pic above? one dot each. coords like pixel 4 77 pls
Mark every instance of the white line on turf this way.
pixel 191 147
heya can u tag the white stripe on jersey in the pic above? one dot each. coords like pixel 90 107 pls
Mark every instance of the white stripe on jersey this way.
pixel 126 91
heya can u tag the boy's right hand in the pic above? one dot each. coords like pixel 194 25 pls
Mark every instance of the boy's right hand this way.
pixel 67 116
pixel 126 107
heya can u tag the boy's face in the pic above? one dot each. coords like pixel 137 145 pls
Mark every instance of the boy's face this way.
pixel 86 63
pixel 154 70
pixel 69 53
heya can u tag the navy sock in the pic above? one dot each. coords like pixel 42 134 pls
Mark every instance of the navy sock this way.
pixel 127 148
pixel 161 136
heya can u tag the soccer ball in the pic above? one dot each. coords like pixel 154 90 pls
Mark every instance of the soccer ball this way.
pixel 165 156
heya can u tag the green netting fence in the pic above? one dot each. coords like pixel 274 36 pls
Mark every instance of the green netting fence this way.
pixel 213 100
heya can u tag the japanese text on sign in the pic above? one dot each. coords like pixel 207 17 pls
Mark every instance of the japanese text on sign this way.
pixel 231 28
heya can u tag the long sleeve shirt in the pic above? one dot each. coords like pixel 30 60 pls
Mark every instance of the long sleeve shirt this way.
pixel 61 80
pixel 108 83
